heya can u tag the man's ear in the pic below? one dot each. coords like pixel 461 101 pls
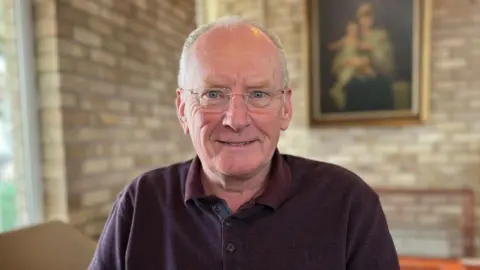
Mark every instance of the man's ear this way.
pixel 286 116
pixel 180 103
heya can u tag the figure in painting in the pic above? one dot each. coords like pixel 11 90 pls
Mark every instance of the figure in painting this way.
pixel 375 41
pixel 363 66
pixel 343 66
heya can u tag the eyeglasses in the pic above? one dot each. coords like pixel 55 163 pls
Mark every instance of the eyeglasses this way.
pixel 219 99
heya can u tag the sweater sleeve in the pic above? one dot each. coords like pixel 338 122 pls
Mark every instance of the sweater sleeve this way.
pixel 370 244
pixel 112 243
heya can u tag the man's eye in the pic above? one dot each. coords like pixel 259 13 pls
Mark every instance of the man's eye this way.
pixel 258 94
pixel 212 94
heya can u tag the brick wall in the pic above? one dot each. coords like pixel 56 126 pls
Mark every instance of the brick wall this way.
pixel 445 152
pixel 107 80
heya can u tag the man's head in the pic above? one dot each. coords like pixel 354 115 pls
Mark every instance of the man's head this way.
pixel 233 98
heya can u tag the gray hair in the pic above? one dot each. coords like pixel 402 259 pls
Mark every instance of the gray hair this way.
pixel 229 21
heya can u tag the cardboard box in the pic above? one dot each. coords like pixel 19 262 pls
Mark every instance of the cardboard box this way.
pixel 50 246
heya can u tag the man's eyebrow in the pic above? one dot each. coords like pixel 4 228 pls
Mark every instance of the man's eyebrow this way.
pixel 257 84
pixel 258 81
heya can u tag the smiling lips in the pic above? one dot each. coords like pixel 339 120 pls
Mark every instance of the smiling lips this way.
pixel 237 143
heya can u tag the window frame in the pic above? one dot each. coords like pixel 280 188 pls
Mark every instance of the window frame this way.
pixel 30 111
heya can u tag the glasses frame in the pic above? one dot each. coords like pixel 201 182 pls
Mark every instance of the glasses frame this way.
pixel 230 94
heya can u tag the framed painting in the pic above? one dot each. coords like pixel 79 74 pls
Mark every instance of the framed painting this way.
pixel 368 61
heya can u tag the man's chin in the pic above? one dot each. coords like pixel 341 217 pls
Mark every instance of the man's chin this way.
pixel 238 171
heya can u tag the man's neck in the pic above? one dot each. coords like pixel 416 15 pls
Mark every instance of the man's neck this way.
pixel 235 191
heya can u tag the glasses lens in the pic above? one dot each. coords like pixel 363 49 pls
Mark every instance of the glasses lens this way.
pixel 213 100
pixel 260 102
pixel 214 105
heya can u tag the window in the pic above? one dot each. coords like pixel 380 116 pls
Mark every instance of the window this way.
pixel 20 190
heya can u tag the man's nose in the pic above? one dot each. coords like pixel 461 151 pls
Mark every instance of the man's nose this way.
pixel 236 115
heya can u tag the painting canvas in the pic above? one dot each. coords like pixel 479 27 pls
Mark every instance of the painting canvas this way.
pixel 368 61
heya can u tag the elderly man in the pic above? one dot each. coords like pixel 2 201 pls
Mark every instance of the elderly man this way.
pixel 240 204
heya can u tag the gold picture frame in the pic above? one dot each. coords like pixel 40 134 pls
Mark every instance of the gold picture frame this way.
pixel 347 69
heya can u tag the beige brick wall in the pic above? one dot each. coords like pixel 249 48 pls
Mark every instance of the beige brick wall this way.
pixel 445 152
pixel 107 80
pixel 50 103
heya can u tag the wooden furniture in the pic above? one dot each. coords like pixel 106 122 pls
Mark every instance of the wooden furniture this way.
pixel 413 263
pixel 53 245
pixel 471 263
pixel 431 223
pixel 409 263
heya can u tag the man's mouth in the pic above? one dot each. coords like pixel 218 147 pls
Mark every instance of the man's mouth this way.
pixel 238 144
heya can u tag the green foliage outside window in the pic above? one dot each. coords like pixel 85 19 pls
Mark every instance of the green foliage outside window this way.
pixel 8 205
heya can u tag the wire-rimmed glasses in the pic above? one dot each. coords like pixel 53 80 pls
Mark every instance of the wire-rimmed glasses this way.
pixel 219 99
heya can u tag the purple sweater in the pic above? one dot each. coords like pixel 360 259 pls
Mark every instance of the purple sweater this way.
pixel 312 215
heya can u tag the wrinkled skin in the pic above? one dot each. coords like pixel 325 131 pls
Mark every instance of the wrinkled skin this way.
pixel 242 60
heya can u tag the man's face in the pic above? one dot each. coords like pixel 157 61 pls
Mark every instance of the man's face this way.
pixel 239 140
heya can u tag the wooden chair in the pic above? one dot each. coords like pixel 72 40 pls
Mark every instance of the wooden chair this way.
pixel 406 208
pixel 407 263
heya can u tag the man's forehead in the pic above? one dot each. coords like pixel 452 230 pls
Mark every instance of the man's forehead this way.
pixel 228 35
pixel 245 69
pixel 247 78
pixel 241 43
pixel 235 54
pixel 256 32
